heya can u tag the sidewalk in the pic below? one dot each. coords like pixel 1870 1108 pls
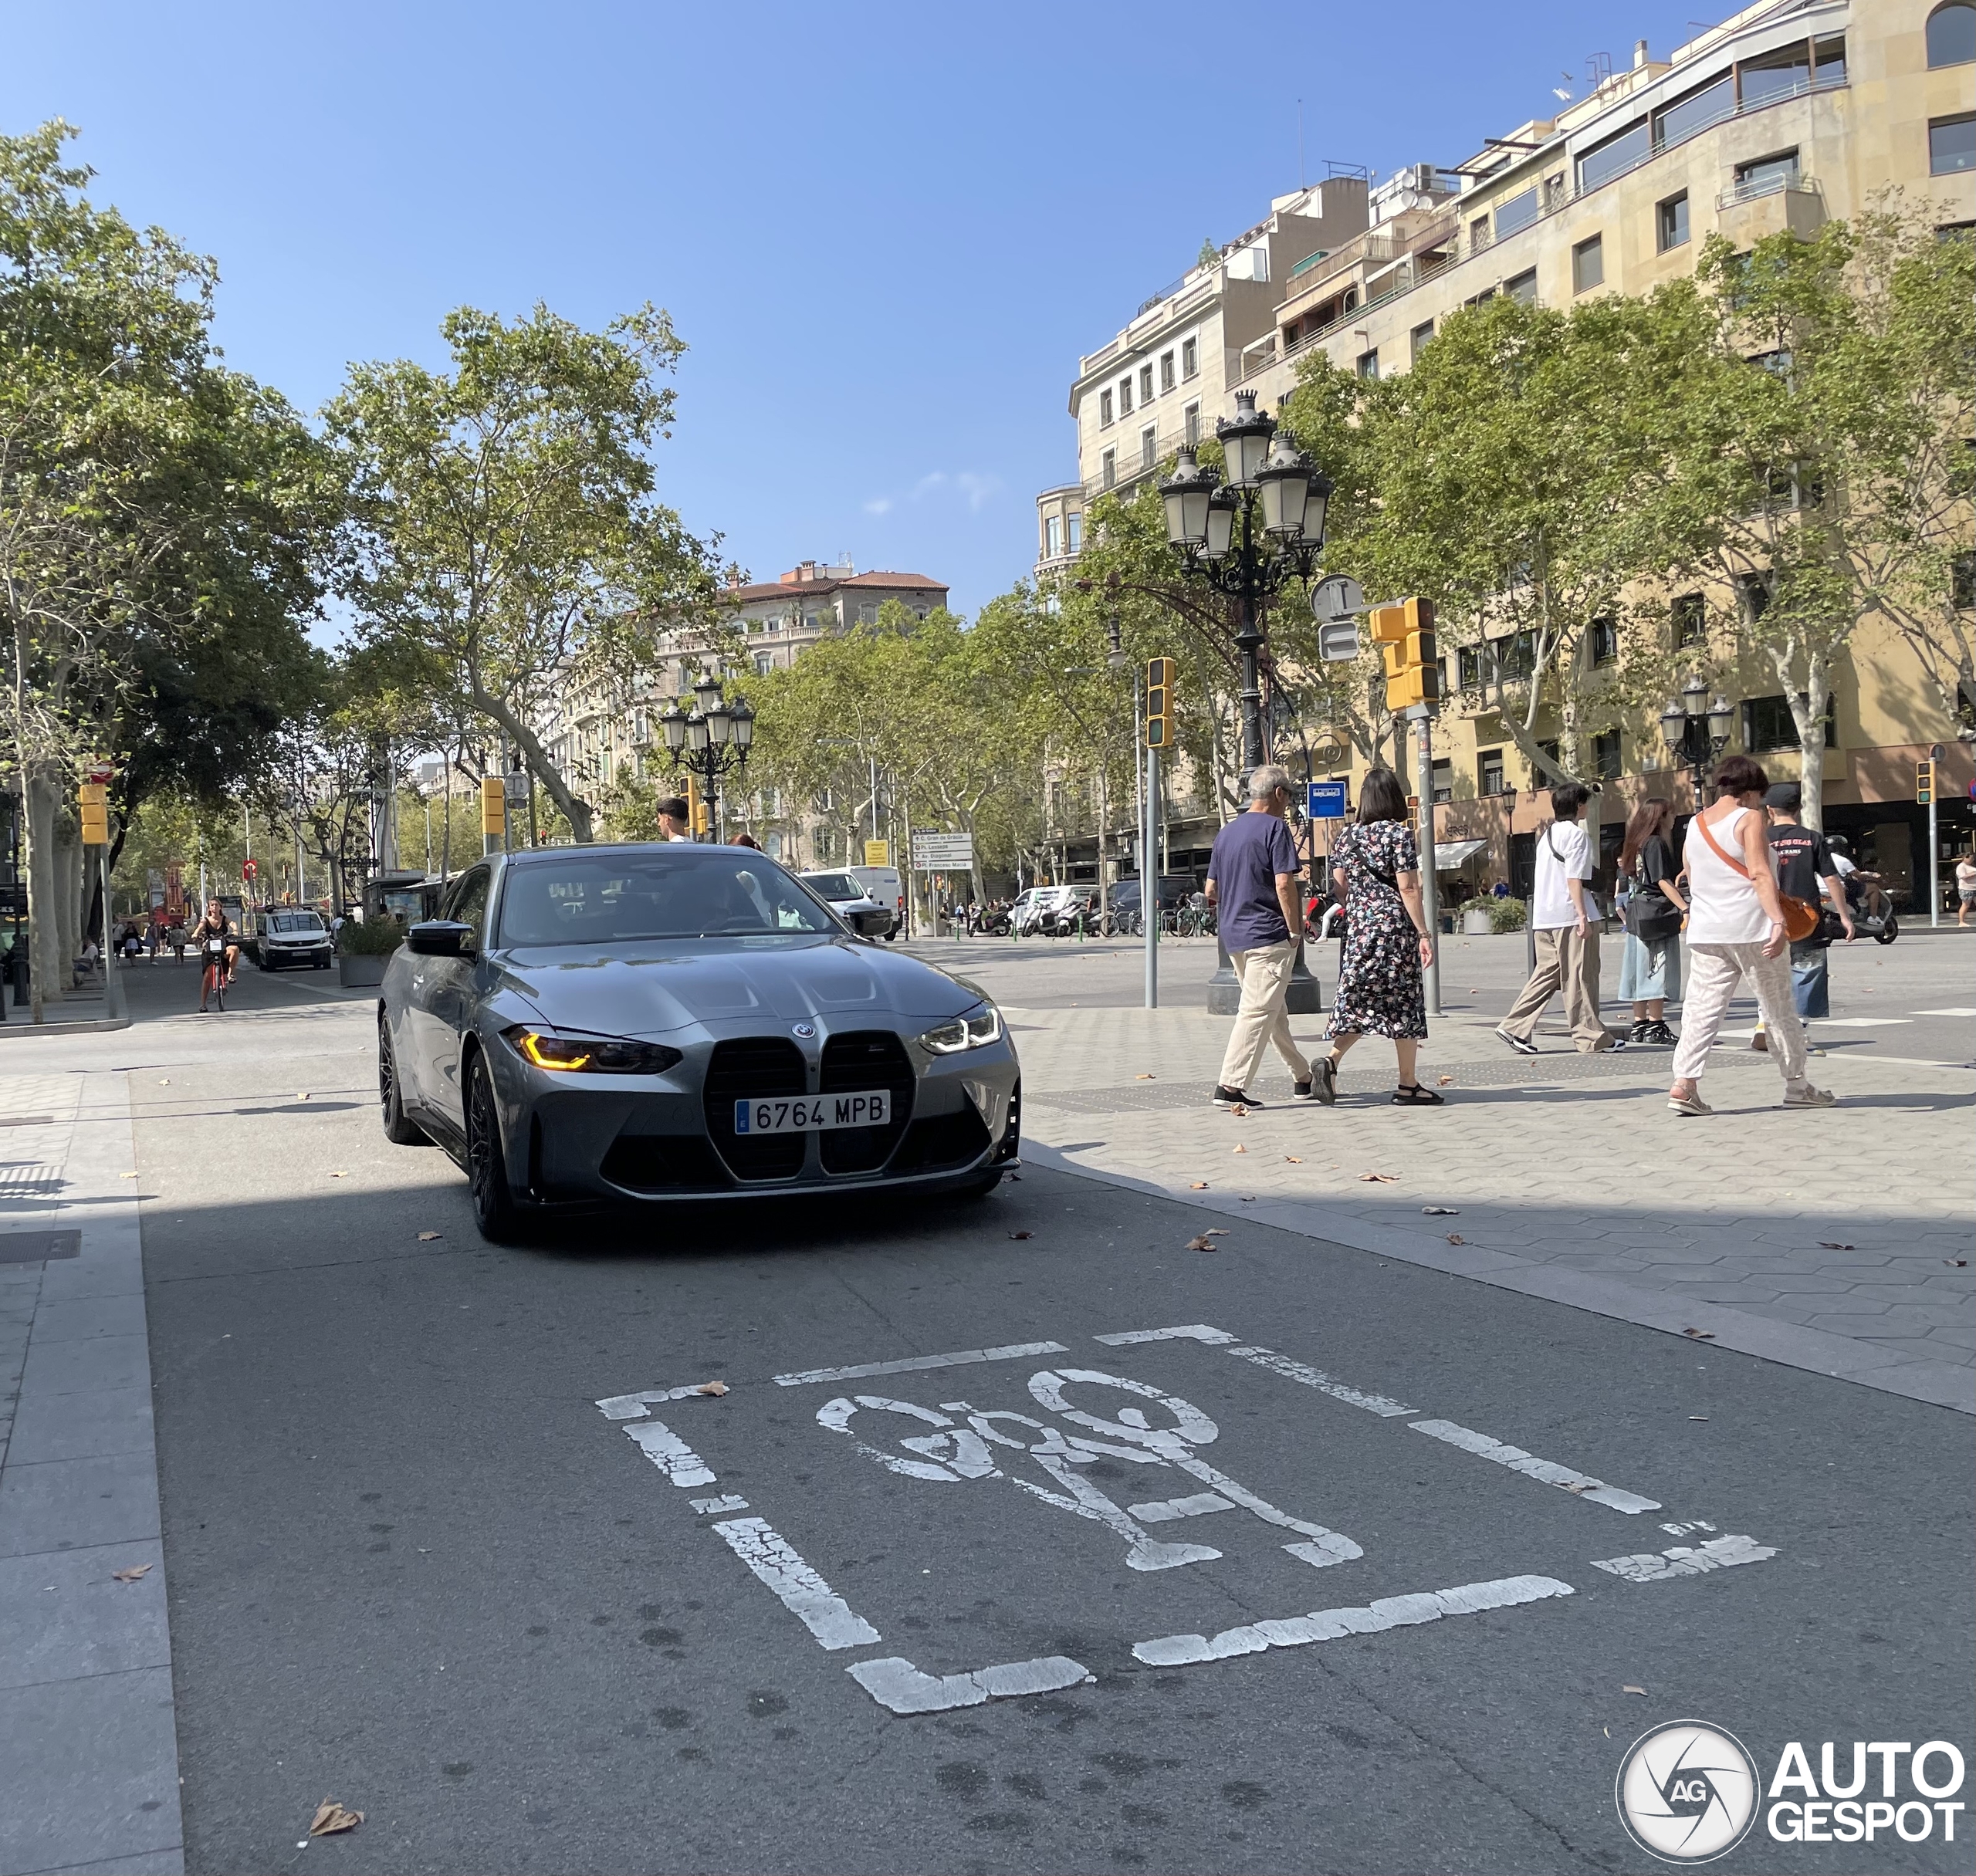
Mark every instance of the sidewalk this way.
pixel 86 1731
pixel 1823 1239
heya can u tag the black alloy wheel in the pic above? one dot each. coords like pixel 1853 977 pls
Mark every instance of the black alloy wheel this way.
pixel 494 1209
pixel 398 1130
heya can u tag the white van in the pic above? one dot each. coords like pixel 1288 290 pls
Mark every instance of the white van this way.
pixel 883 883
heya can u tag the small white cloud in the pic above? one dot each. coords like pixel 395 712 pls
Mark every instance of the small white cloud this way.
pixel 977 490
pixel 879 505
pixel 981 490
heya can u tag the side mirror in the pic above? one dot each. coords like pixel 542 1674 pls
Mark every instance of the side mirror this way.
pixel 871 921
pixel 440 937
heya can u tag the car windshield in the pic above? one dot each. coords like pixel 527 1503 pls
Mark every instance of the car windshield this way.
pixel 294 921
pixel 833 885
pixel 608 899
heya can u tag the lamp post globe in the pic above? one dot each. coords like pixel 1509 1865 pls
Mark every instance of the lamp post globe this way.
pixel 743 714
pixel 696 733
pixel 674 724
pixel 1244 440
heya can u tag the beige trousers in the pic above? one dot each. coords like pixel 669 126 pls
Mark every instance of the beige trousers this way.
pixel 1713 972
pixel 1261 1019
pixel 1567 962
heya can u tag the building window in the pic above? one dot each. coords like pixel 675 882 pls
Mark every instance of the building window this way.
pixel 1476 300
pixel 1606 755
pixel 1104 410
pixel 1369 363
pixel 1670 222
pixel 1443 778
pixel 1767 725
pixel 1517 214
pixel 1605 641
pixel 1781 74
pixel 1073 532
pixel 1125 396
pixel 764 662
pixel 1830 54
pixel 1589 264
pixel 1952 144
pixel 1707 104
pixel 1111 468
pixel 1053 538
pixel 1165 372
pixel 1766 174
pixel 1523 289
pixel 1146 384
pixel 1190 358
pixel 1191 416
pixel 1952 35
pixel 1148 447
pixel 1478 233
pixel 1633 144
pixel 1489 777
pixel 1753 591
pixel 1417 340
pixel 1539 777
pixel 1690 617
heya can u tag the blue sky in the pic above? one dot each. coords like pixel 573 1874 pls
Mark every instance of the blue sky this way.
pixel 886 231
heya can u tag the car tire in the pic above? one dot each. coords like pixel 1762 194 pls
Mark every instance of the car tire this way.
pixel 495 1212
pixel 400 1130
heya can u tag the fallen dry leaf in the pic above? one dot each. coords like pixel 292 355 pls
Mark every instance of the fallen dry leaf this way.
pixel 1582 1484
pixel 1700 1335
pixel 1446 1081
pixel 136 1574
pixel 1241 1149
pixel 1214 1231
pixel 302 1096
pixel 1290 1159
pixel 1379 1178
pixel 1022 1233
pixel 1145 1077
pixel 1203 1242
pixel 426 1237
pixel 1640 1691
pixel 1239 1112
pixel 339 1175
pixel 1455 1237
pixel 126 1176
pixel 330 1817
pixel 1200 1185
pixel 1442 1210
pixel 1826 1244
pixel 716 1388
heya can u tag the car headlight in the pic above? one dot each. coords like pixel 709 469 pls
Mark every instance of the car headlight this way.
pixel 594 1054
pixel 973 1031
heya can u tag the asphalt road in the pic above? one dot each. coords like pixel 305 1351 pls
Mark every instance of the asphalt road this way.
pixel 415 1568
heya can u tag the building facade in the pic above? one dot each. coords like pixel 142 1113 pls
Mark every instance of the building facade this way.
pixel 1786 115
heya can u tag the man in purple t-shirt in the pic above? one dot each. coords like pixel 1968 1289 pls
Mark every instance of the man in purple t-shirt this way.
pixel 1252 881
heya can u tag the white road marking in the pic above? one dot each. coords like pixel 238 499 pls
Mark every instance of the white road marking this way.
pixel 1324 1383
pixel 1945 1013
pixel 1578 1484
pixel 1191 1332
pixel 1717 1553
pixel 915 1362
pixel 728 1501
pixel 803 1593
pixel 1329 1625
pixel 895 1683
pixel 1163 1511
pixel 635 1406
pixel 671 1454
pixel 1679 1530
pixel 1869 1022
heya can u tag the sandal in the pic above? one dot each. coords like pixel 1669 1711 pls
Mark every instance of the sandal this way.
pixel 1413 1095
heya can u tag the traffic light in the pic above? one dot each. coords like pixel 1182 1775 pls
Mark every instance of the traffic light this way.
pixel 91 802
pixel 1924 781
pixel 1405 634
pixel 1159 704
pixel 493 807
pixel 699 816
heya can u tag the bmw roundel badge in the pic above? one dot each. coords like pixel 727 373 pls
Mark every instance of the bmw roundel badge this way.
pixel 806 1030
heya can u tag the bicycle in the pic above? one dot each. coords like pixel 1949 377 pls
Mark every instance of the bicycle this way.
pixel 212 971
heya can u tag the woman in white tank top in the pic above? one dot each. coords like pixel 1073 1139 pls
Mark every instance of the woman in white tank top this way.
pixel 1735 930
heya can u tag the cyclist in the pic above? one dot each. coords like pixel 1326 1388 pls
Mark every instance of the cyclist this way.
pixel 214 925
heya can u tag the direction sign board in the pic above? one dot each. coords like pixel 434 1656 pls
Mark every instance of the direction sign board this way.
pixel 942 852
pixel 1337 598
pixel 249 868
pixel 878 852
pixel 515 782
pixel 1337 642
pixel 1325 802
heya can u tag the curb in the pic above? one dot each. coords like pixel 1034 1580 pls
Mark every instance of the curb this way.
pixel 101 1027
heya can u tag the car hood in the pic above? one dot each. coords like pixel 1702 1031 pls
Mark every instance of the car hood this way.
pixel 656 987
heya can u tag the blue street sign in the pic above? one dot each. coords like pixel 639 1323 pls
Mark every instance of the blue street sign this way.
pixel 1326 802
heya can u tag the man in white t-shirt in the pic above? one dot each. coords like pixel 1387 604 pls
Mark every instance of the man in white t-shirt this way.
pixel 1562 921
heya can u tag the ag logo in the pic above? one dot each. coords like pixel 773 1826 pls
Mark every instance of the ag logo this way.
pixel 1687 1792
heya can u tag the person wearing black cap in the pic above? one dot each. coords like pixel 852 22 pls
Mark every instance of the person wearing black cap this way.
pixel 1806 869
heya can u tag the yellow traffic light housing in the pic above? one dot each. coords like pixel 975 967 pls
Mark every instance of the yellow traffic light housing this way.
pixel 493 806
pixel 93 809
pixel 1924 781
pixel 1160 703
pixel 1405 635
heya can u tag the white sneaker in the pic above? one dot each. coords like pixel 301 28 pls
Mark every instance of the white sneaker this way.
pixel 1804 1095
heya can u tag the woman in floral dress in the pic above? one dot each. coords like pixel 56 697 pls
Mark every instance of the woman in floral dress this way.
pixel 1376 868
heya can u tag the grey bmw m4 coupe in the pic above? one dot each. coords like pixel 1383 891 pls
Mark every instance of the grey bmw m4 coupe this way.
pixel 625 1027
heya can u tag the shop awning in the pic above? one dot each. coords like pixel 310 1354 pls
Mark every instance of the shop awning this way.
pixel 1450 856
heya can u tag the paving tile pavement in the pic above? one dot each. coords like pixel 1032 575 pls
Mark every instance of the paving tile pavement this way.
pixel 1827 1238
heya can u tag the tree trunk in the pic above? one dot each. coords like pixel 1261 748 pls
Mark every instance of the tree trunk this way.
pixel 44 947
pixel 577 810
pixel 1807 709
pixel 68 896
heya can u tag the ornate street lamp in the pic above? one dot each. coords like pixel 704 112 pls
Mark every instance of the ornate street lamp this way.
pixel 710 740
pixel 1245 535
pixel 1696 728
